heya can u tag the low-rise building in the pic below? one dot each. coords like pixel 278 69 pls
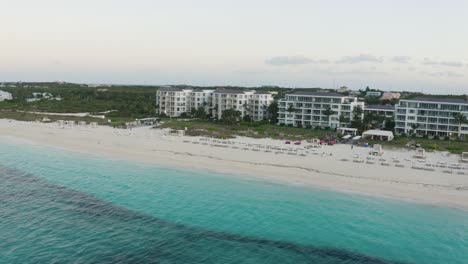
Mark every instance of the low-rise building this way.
pixel 5 96
pixel 373 93
pixel 317 109
pixel 431 116
pixel 390 96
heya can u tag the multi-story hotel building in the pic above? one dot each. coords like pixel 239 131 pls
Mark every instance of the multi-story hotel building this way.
pixel 173 101
pixel 304 108
pixel 249 103
pixel 381 110
pixel 431 116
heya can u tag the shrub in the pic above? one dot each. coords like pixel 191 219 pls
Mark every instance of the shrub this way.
pixel 260 129
pixel 274 134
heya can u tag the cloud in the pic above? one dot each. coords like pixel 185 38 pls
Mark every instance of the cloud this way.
pixel 353 72
pixel 448 74
pixel 457 64
pixel 360 58
pixel 293 60
pixel 428 61
pixel 401 59
pixel 454 74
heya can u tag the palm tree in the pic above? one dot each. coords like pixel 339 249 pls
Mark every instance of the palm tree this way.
pixel 356 122
pixel 460 119
pixel 343 119
pixel 214 111
pixel 291 109
pixel 248 109
pixel 328 112
pixel 414 127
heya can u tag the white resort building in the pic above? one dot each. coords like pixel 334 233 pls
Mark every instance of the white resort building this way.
pixel 5 96
pixel 250 103
pixel 431 116
pixel 173 101
pixel 381 110
pixel 316 109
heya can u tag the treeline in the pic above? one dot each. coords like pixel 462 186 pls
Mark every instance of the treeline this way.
pixel 124 101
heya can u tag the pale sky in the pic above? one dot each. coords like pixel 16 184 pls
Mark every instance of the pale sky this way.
pixel 387 44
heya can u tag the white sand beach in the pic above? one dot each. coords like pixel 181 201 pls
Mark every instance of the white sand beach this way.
pixel 439 179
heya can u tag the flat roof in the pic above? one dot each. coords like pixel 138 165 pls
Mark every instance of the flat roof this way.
pixel 439 100
pixel 202 91
pixel 262 92
pixel 172 89
pixel 375 132
pixel 324 94
pixel 380 107
pixel 231 91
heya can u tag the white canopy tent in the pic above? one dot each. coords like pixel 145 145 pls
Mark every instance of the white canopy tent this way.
pixel 378 135
pixel 464 156
pixel 347 130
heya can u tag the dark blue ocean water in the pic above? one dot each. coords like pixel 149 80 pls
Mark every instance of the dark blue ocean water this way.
pixel 61 207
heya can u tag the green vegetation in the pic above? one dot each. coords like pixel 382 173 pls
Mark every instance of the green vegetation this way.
pixel 129 102
pixel 454 145
pixel 263 129
pixel 15 115
pixel 125 101
pixel 230 116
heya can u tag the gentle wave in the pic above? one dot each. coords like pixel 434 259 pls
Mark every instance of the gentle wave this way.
pixel 59 207
pixel 50 213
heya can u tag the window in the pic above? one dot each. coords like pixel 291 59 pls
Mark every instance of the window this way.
pixel 449 107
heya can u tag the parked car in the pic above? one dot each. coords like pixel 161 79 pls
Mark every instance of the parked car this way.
pixel 297 143
pixel 287 142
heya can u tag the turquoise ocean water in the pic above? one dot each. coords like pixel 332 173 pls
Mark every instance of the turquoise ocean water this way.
pixel 63 207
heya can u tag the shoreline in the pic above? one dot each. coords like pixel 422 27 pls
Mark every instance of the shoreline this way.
pixel 329 173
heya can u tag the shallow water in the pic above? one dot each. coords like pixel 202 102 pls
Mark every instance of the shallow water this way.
pixel 63 207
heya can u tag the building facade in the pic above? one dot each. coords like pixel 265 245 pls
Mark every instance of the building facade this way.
pixel 381 110
pixel 431 116
pixel 5 96
pixel 173 101
pixel 316 109
pixel 250 103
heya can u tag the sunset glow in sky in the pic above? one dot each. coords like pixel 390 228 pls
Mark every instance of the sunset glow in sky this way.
pixel 389 44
